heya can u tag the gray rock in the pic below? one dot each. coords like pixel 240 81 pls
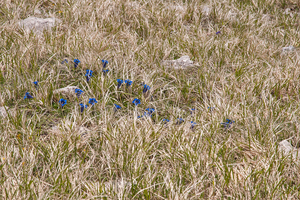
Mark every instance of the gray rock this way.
pixel 38 24
pixel 182 62
pixel 69 90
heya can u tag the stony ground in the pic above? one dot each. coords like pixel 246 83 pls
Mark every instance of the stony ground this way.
pixel 216 88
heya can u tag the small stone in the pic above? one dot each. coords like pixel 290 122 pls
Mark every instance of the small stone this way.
pixel 288 11
pixel 287 148
pixel 69 90
pixel 37 11
pixel 206 10
pixel 182 62
pixel 288 49
pixel 3 112
pixel 38 24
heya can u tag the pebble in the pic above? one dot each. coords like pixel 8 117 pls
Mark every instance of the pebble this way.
pixel 38 24
pixel 182 62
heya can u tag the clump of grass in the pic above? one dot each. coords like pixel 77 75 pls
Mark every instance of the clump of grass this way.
pixel 103 151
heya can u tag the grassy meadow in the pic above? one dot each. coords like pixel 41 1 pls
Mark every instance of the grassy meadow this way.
pixel 239 72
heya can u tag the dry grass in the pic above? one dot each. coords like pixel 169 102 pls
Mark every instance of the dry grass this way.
pixel 52 153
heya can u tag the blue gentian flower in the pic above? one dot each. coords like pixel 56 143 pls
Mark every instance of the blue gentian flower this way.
pixel 82 106
pixel 92 101
pixel 210 109
pixel 105 71
pixel 105 62
pixel 166 120
pixel 136 101
pixel 193 110
pixel 117 106
pixel 120 81
pixel 28 96
pixel 62 102
pixel 228 123
pixel 146 88
pixel 76 62
pixel 218 32
pixel 88 74
pixel 179 120
pixel 36 84
pixel 64 61
pixel 78 92
pixel 149 112
pixel 128 82
pixel 141 116
pixel 193 124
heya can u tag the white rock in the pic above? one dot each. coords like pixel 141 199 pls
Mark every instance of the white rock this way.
pixel 206 10
pixel 287 149
pixel 38 24
pixel 288 11
pixel 3 112
pixel 69 90
pixel 182 62
pixel 288 49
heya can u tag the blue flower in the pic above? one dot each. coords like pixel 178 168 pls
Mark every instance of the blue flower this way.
pixel 193 110
pixel 88 74
pixel 141 116
pixel 82 106
pixel 166 120
pixel 76 62
pixel 105 71
pixel 120 81
pixel 62 102
pixel 193 124
pixel 179 120
pixel 28 96
pixel 105 62
pixel 227 124
pixel 149 112
pixel 36 84
pixel 117 106
pixel 78 92
pixel 218 32
pixel 128 82
pixel 210 109
pixel 64 61
pixel 92 101
pixel 146 88
pixel 136 101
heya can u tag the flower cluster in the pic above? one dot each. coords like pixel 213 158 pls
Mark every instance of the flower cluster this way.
pixel 148 113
